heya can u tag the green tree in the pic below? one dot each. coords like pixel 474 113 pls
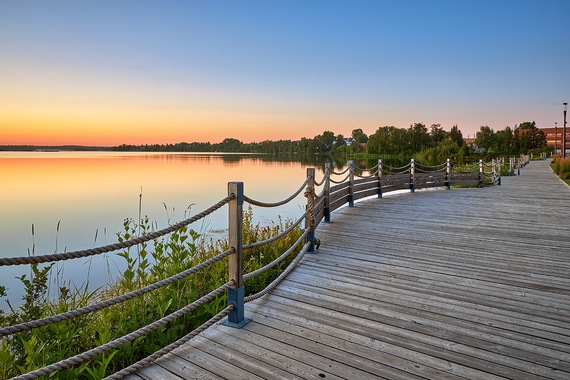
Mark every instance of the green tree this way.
pixel 484 138
pixel 359 136
pixel 378 141
pixel 456 135
pixel 437 134
pixel 503 142
pixel 528 137
pixel 418 137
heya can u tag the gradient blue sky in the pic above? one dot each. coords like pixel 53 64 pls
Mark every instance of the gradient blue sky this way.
pixel 113 72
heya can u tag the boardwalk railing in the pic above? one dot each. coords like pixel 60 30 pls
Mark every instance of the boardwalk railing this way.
pixel 336 189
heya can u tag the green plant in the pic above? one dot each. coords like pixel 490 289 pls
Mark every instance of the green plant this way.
pixel 146 264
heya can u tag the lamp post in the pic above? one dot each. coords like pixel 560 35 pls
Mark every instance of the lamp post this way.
pixel 565 105
pixel 555 136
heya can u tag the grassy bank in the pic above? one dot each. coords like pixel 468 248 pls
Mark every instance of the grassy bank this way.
pixel 561 166
pixel 145 264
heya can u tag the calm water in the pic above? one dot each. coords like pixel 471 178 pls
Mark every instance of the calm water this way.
pixel 89 194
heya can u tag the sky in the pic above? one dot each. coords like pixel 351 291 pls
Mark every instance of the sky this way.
pixel 105 73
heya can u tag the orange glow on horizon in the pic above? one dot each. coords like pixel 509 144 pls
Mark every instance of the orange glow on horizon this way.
pixel 90 126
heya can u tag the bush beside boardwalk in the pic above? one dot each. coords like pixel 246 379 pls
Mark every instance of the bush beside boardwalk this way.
pixel 146 264
pixel 561 166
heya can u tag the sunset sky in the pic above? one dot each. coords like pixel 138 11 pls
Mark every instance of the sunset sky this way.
pixel 143 72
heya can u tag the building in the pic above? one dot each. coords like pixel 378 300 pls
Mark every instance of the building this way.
pixel 554 138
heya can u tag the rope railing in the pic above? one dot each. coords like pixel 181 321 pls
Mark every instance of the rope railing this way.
pixel 440 170
pixel 340 181
pixel 366 169
pixel 83 357
pixel 276 204
pixel 403 171
pixel 172 346
pixel 365 176
pixel 26 326
pixel 342 172
pixel 393 168
pixel 279 259
pixel 280 278
pixel 418 165
pixel 276 237
pixel 114 246
pixel 344 191
pixel 325 176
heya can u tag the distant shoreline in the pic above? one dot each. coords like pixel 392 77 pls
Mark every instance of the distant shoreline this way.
pixel 52 148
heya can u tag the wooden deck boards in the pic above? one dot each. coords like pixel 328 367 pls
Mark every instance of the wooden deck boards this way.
pixel 459 284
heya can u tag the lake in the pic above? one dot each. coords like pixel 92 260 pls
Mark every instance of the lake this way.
pixel 79 200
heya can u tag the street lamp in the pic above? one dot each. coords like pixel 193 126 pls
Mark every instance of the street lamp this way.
pixel 563 151
pixel 555 136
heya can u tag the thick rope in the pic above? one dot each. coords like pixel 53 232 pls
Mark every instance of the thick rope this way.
pixel 391 168
pixel 342 172
pixel 365 176
pixel 326 175
pixel 276 237
pixel 101 305
pixel 115 246
pixel 363 169
pixel 285 201
pixel 340 181
pixel 172 346
pixel 405 171
pixel 90 354
pixel 311 196
pixel 430 167
pixel 280 278
pixel 441 170
pixel 277 260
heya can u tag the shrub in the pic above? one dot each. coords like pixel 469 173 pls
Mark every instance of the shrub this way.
pixel 146 263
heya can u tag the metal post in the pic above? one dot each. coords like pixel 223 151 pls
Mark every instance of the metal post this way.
pixel 555 136
pixel 327 201
pixel 380 168
pixel 448 174
pixel 564 131
pixel 481 173
pixel 236 317
pixel 412 174
pixel 351 184
pixel 310 218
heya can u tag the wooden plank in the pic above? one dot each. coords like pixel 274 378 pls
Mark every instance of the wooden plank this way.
pixel 459 284
pixel 364 194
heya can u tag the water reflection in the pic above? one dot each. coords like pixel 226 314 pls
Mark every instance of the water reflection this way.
pixel 89 194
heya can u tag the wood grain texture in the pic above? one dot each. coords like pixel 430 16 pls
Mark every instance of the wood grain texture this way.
pixel 442 284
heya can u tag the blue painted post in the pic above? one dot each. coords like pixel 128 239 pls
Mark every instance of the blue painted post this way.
pixel 380 168
pixel 236 317
pixel 327 200
pixel 448 174
pixel 351 184
pixel 412 175
pixel 310 218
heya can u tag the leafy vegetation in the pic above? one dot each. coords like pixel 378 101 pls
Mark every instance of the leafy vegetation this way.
pixel 561 166
pixel 431 145
pixel 145 264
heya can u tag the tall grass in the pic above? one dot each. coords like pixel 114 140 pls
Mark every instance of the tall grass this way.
pixel 145 264
pixel 561 167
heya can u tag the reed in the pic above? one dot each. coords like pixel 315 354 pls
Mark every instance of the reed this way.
pixel 145 264
pixel 561 166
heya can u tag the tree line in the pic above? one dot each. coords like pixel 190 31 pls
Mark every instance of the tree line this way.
pixel 431 143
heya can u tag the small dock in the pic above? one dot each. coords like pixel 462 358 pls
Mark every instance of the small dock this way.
pixel 446 284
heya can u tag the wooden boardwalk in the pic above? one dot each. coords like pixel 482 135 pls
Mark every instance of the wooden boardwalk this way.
pixel 459 284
